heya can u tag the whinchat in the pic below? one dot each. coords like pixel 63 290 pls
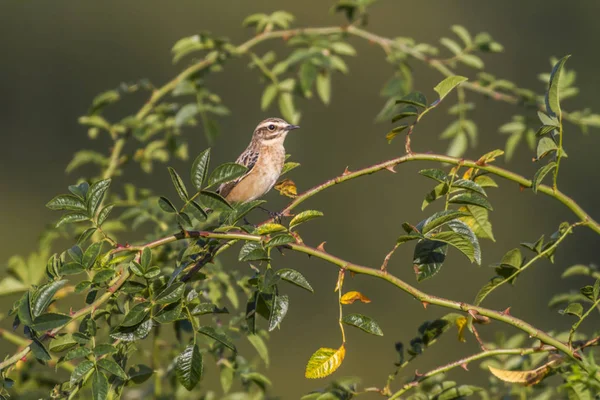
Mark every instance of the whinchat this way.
pixel 264 157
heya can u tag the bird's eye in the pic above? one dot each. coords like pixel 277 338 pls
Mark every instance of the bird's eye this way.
pixel 271 127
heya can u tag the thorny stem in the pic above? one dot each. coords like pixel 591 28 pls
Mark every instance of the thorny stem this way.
pixel 584 316
pixel 116 283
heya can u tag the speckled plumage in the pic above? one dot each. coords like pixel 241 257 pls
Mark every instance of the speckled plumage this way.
pixel 264 157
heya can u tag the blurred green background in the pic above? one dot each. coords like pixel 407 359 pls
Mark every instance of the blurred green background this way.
pixel 57 55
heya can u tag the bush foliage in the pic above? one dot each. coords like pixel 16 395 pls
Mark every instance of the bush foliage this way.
pixel 170 283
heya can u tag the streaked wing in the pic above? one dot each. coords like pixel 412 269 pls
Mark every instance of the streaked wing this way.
pixel 248 159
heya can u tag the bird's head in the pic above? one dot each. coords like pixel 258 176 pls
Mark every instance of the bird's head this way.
pixel 272 130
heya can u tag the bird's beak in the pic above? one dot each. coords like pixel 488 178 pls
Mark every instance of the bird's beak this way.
pixel 291 127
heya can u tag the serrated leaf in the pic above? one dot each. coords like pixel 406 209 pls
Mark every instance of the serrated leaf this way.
pixel 266 229
pixel 200 169
pixel 103 214
pixel 136 314
pixel 438 219
pixel 170 313
pixel 304 216
pixel 103 349
pixel 352 296
pixel 78 352
pixel 468 185
pixel 61 343
pixel 226 173
pixel 99 386
pixel 39 351
pixel 409 111
pixel 395 132
pixel 280 240
pixel 72 217
pixel 208 308
pixel 278 311
pixel 96 194
pixel 435 174
pixel 364 323
pixel 214 201
pixel 428 258
pixel 252 251
pixel 112 367
pixel 146 258
pixel 324 362
pixel 540 174
pixel 553 92
pixel 218 336
pixel 478 221
pixel 470 198
pixel 67 202
pixel 414 98
pixel 48 321
pixel 43 297
pixel 91 254
pixel 463 229
pixel 295 277
pixel 171 294
pixel 446 86
pixel 166 205
pixel 71 268
pixel 487 288
pixel 179 185
pixel 80 371
pixel 131 334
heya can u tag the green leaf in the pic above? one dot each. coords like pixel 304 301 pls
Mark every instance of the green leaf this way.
pixel 409 111
pixel 287 108
pixel 200 169
pixel 146 258
pixel 464 230
pixel 487 288
pixel 395 132
pixel 112 367
pixel 280 307
pixel 103 275
pixel 435 174
pixel 460 242
pixel 226 173
pixel 188 367
pixel 446 86
pixel 428 258
pixel 553 92
pixel 179 185
pixel 61 343
pixel 91 254
pixel 39 351
pixel 439 219
pixel 280 240
pixel 545 146
pixel 99 386
pixel 136 314
pixel 463 34
pixel 323 84
pixel 170 313
pixel 288 166
pixel 544 130
pixel 103 214
pixel 214 201
pixel 43 297
pixel 208 308
pixel 80 190
pixel 252 251
pixel 469 185
pixel 471 60
pixel 72 217
pixel 166 205
pixel 296 278
pixel 48 321
pixel 540 174
pixel 575 309
pixel 80 371
pixel 304 216
pixel 548 120
pixel 78 352
pixel 258 343
pixel 131 334
pixel 185 114
pixel 103 349
pixel 171 294
pixel 471 199
pixel 67 202
pixel 451 45
pixel 24 309
pixel 478 221
pixel 96 194
pixel 218 336
pixel 268 96
pixel 414 98
pixel 71 268
pixel 266 229
pixel 363 322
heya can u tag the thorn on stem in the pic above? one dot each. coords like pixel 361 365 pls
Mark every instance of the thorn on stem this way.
pixel 425 304
pixel 321 247
pixel 506 312
pixel 464 366
pixel 346 172
pixel 391 168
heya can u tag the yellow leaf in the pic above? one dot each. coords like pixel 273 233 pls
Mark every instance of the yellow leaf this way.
pixel 324 362
pixel 461 323
pixel 351 297
pixel 528 378
pixel 489 157
pixel 287 187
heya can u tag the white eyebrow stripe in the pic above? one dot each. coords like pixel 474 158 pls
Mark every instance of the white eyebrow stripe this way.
pixel 266 124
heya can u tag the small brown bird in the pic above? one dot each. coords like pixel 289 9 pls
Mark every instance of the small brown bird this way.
pixel 264 157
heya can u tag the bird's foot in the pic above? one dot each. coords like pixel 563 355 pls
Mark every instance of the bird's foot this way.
pixel 276 216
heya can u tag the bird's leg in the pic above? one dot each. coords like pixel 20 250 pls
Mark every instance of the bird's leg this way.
pixel 276 216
